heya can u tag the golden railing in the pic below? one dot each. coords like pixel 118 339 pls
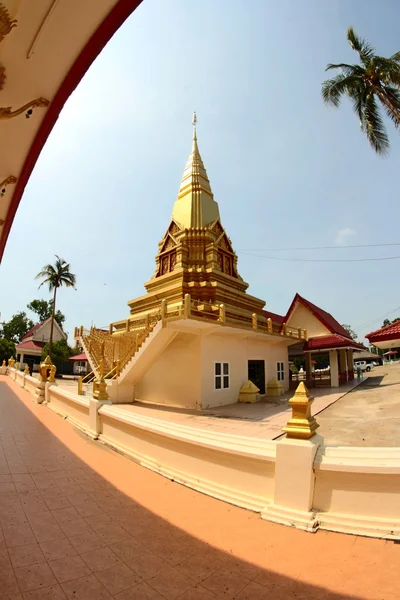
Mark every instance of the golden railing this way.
pixel 111 351
pixel 110 354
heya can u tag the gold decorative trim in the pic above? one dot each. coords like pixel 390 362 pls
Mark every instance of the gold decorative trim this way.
pixel 6 23
pixel 7 181
pixel 6 112
pixel 41 28
pixel 2 76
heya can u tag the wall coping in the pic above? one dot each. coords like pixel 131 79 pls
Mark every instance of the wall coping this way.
pixel 53 390
pixel 224 442
pixel 358 459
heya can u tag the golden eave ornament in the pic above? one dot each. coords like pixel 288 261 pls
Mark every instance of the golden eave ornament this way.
pixel 6 112
pixel 10 180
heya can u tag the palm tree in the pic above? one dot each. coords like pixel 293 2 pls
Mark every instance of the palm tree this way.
pixel 375 79
pixel 56 276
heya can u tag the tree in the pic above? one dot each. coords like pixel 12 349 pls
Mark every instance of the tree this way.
pixel 44 309
pixel 350 331
pixel 376 79
pixel 61 352
pixel 388 322
pixel 17 327
pixel 56 276
pixel 7 349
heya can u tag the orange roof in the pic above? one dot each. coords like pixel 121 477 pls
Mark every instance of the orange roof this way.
pixel 30 345
pixel 330 342
pixel 82 357
pixel 389 332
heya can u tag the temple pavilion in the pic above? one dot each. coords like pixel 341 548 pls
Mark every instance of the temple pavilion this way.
pixel 197 336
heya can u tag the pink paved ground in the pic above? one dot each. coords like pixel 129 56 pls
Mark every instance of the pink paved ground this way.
pixel 82 522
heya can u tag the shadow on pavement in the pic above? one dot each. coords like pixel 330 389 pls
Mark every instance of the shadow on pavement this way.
pixel 68 532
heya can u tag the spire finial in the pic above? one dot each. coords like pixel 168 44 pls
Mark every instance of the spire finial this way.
pixel 194 122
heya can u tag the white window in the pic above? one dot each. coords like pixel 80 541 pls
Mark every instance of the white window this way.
pixel 280 371
pixel 221 376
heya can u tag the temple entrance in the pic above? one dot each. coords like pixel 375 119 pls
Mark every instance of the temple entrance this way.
pixel 256 374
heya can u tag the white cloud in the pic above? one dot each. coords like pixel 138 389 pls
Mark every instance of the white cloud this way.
pixel 343 235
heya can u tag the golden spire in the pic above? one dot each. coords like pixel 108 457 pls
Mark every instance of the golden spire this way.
pixel 195 205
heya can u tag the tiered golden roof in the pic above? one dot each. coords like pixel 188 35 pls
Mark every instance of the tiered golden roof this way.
pixel 195 256
pixel 195 206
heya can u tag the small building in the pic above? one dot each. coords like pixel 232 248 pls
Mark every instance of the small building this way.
pixel 386 338
pixel 80 364
pixel 326 337
pixel 197 336
pixel 368 357
pixel 30 348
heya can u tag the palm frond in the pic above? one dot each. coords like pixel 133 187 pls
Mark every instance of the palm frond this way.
pixel 333 89
pixel 390 100
pixel 395 56
pixel 57 275
pixel 361 46
pixel 374 127
pixel 345 68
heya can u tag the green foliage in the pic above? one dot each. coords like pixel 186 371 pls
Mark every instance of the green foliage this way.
pixel 44 309
pixel 388 322
pixel 57 275
pixel 376 79
pixel 350 331
pixel 61 352
pixel 7 349
pixel 17 327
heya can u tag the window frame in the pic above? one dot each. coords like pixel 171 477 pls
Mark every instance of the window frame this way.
pixel 221 376
pixel 280 370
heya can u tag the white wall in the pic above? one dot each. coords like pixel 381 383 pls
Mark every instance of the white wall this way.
pixel 303 317
pixel 174 378
pixel 43 334
pixel 237 351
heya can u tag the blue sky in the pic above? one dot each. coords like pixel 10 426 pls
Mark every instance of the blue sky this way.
pixel 286 171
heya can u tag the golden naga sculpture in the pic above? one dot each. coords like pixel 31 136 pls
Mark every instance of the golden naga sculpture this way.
pixel 6 112
pixel 45 369
pixel 6 23
pixel 10 180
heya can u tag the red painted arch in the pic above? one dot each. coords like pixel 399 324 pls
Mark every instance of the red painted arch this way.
pixel 99 39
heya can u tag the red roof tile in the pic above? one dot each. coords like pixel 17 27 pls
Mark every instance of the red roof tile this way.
pixel 275 318
pixel 389 332
pixel 78 357
pixel 324 317
pixel 32 331
pixel 327 342
pixel 30 345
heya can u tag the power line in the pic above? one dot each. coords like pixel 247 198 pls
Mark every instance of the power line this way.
pixel 379 318
pixel 319 247
pixel 324 260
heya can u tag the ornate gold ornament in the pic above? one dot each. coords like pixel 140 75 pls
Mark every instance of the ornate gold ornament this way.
pixel 2 76
pixel 6 112
pixel 8 181
pixel 6 23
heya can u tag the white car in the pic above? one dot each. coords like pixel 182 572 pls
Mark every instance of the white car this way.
pixel 364 366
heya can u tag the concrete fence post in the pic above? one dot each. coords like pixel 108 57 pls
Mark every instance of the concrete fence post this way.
pixel 294 468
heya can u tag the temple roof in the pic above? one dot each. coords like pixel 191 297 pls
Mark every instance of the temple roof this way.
pixel 330 342
pixel 389 332
pixel 195 205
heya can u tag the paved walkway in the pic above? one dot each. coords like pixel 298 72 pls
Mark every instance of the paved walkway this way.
pixel 369 415
pixel 80 522
pixel 262 419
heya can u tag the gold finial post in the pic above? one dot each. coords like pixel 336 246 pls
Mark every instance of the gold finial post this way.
pixel 302 425
pixel 194 123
